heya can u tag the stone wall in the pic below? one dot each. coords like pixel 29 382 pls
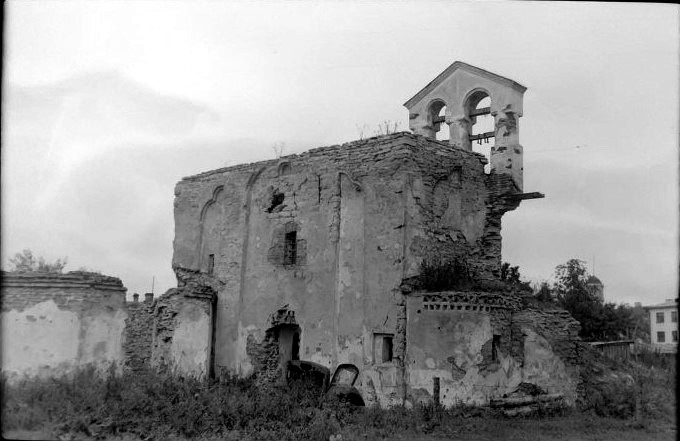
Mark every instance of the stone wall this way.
pixel 55 323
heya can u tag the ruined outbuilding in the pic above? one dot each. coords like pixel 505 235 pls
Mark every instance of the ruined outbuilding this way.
pixel 384 253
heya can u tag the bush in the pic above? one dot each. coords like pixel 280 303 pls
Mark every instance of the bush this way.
pixel 437 275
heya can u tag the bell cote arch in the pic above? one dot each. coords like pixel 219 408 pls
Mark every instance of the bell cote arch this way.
pixel 464 90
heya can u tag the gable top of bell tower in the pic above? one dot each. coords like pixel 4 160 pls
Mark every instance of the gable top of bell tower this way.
pixel 458 66
pixel 458 99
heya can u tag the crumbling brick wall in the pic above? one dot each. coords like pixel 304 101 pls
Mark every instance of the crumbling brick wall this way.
pixel 182 330
pixel 558 327
pixel 264 356
pixel 138 335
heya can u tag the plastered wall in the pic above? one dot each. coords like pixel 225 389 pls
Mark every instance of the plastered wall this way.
pixel 480 349
pixel 55 323
pixel 182 330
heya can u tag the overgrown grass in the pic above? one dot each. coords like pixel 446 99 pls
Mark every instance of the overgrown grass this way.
pixel 149 405
pixel 642 389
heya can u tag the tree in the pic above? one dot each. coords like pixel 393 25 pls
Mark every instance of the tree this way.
pixel 598 321
pixel 25 262
pixel 571 277
pixel 511 275
pixel 387 128
pixel 279 149
pixel 544 293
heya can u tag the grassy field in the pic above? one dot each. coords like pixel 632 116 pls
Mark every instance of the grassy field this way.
pixel 149 405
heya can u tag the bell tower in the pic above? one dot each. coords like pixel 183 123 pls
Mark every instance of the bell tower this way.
pixel 454 101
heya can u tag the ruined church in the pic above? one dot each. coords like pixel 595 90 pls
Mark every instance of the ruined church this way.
pixel 383 252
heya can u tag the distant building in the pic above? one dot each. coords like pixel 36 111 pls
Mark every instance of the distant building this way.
pixel 617 350
pixel 595 288
pixel 663 324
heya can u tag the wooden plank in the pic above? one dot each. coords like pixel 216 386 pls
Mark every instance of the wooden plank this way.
pixel 482 136
pixel 479 112
pixel 523 196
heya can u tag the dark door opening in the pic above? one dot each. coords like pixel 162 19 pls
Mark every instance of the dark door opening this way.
pixel 289 346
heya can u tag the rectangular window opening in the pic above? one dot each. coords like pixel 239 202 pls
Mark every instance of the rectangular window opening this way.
pixel 675 336
pixel 211 263
pixel 290 249
pixel 387 349
pixel 659 317
pixel 661 337
pixel 674 316
pixel 383 348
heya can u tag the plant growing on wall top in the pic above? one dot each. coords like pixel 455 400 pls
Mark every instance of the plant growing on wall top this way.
pixel 25 262
pixel 438 275
pixel 511 276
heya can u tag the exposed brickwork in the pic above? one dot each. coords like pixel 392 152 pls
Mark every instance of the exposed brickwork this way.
pixel 164 319
pixel 557 326
pixel 277 253
pixel 264 356
pixel 138 335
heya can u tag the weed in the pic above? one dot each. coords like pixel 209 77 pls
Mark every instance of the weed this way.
pixel 151 405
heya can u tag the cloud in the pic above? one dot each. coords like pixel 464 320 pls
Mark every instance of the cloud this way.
pixel 625 218
pixel 89 167
pixel 67 123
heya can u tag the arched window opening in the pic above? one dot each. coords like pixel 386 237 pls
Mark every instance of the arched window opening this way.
pixel 438 115
pixel 210 231
pixel 285 169
pixel 482 132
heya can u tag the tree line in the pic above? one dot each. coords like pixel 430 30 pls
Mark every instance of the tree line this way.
pixel 600 321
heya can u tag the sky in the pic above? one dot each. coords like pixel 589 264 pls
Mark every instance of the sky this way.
pixel 107 105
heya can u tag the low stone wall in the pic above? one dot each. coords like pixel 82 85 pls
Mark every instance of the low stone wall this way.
pixel 55 323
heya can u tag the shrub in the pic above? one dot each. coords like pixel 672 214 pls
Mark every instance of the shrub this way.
pixel 437 275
